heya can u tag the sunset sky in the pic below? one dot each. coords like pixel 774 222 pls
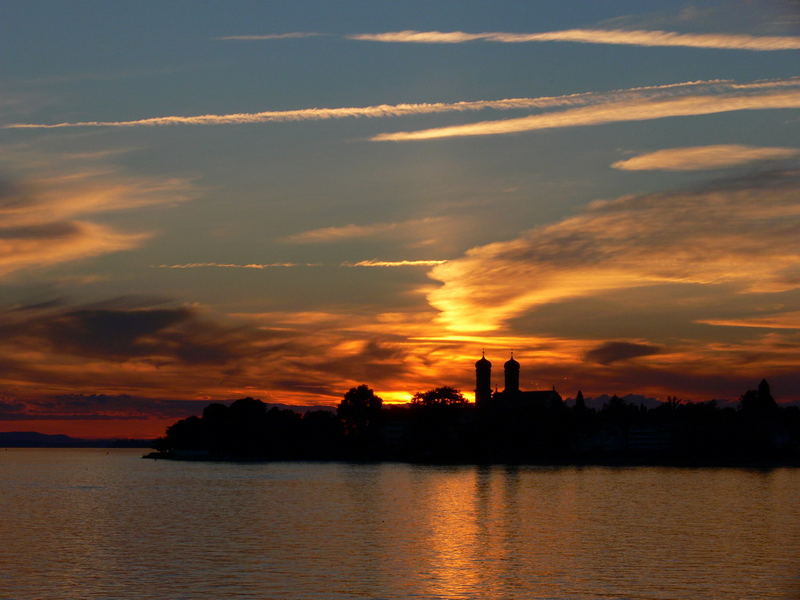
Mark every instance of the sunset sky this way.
pixel 204 201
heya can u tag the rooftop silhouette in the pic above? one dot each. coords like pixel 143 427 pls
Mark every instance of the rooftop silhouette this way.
pixel 503 426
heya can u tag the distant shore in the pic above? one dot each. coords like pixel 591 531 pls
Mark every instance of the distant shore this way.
pixel 34 439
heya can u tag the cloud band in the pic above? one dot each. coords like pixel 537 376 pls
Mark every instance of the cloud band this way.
pixel 594 36
pixel 611 112
pixel 698 158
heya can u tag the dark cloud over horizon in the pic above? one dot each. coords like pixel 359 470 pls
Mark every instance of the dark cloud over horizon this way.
pixel 610 352
pixel 158 334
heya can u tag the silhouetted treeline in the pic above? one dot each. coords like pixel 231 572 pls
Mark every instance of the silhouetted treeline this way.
pixel 441 426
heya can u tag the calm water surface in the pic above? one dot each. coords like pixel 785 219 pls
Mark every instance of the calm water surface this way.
pixel 95 524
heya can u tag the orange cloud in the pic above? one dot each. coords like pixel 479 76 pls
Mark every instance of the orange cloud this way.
pixel 47 199
pixel 698 158
pixel 37 217
pixel 786 320
pixel 743 233
pixel 369 230
pixel 54 243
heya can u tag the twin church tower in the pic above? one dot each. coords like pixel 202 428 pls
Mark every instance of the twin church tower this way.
pixel 511 394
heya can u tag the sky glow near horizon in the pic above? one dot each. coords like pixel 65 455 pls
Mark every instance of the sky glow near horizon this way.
pixel 286 201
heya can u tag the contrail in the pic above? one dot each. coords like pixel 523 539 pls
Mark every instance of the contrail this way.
pixel 397 110
pixel 594 36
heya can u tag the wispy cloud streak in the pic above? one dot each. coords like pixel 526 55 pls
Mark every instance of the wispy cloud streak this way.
pixel 60 242
pixel 789 320
pixel 594 36
pixel 353 231
pixel 395 263
pixel 610 112
pixel 214 265
pixel 40 224
pixel 286 265
pixel 407 109
pixel 698 158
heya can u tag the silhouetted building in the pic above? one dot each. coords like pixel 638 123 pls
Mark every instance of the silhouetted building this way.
pixel 511 396
pixel 511 372
pixel 483 381
pixel 759 401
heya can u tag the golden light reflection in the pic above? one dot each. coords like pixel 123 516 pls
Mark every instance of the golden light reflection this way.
pixel 452 544
pixel 493 530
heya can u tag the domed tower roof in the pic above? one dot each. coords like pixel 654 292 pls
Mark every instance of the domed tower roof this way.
pixel 482 362
pixel 511 363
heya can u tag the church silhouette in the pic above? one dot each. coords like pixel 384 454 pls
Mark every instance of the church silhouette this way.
pixel 511 396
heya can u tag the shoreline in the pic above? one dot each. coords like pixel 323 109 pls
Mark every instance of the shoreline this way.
pixel 620 462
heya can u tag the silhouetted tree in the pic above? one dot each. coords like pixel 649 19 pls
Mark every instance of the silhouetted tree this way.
pixel 439 425
pixel 186 434
pixel 580 403
pixel 619 411
pixel 321 435
pixel 247 421
pixel 764 393
pixel 217 428
pixel 360 413
pixel 441 396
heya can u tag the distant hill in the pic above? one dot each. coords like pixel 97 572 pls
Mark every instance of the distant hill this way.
pixel 34 439
pixel 26 438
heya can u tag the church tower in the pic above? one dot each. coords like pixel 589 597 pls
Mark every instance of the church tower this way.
pixel 511 369
pixel 483 381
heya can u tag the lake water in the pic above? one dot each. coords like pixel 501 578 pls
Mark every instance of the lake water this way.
pixel 89 524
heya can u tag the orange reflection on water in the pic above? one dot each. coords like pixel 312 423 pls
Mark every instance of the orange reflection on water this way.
pixel 493 530
pixel 451 550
